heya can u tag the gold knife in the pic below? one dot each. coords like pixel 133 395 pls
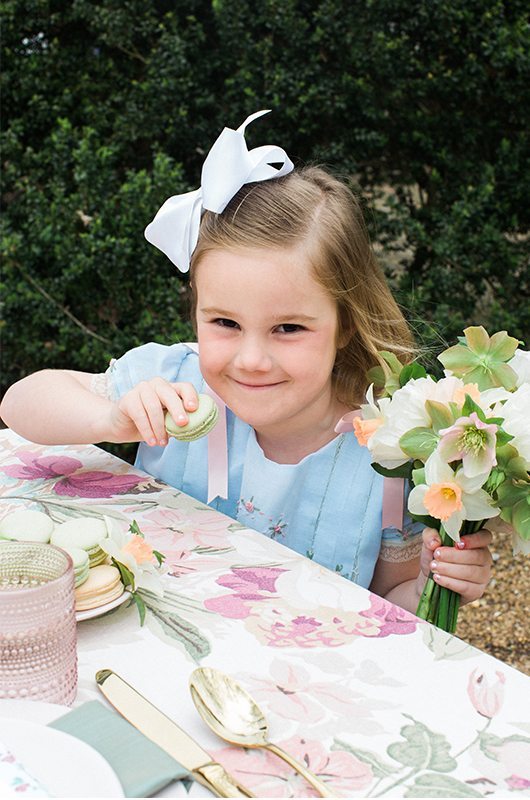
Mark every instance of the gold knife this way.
pixel 150 721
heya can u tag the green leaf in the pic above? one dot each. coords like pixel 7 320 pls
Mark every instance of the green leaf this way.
pixel 160 557
pixel 521 518
pixel 511 463
pixel 440 414
pixel 392 360
pixel 489 743
pixel 436 785
pixel 419 443
pixel 184 632
pixel 140 605
pixel 423 749
pixel 380 768
pixel 135 528
pixel 418 476
pixel 411 371
pixel 503 438
pixel 511 492
pixel 127 577
pixel 470 406
pixel 404 471
pixel 376 375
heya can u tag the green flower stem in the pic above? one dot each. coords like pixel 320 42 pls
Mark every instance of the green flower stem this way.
pixel 424 604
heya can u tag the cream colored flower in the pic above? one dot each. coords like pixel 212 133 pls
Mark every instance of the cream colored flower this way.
pixel 450 496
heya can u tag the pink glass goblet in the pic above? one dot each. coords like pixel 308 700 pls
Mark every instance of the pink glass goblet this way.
pixel 38 653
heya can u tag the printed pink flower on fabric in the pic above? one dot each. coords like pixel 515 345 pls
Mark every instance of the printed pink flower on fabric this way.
pixel 280 626
pixel 267 776
pixel 396 621
pixel 76 481
pixel 290 693
pixel 486 699
pixel 250 585
pixel 516 782
pixel 35 467
pixel 97 484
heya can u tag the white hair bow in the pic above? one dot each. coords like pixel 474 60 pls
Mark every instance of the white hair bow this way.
pixel 229 165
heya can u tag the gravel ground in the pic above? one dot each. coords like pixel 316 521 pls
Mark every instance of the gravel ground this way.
pixel 499 623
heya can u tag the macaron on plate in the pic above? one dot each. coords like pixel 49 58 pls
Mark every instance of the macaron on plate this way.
pixel 200 422
pixel 98 586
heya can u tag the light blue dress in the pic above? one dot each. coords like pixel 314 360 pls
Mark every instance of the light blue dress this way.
pixel 327 507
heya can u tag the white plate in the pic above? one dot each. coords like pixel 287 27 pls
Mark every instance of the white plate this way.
pixel 64 765
pixel 97 612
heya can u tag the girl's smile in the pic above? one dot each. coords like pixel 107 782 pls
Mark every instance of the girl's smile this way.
pixel 267 334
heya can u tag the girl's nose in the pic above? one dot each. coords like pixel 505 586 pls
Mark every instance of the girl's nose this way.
pixel 252 356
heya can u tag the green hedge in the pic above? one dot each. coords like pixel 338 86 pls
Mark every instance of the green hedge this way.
pixel 109 108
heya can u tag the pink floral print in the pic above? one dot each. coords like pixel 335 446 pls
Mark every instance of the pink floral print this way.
pixel 269 776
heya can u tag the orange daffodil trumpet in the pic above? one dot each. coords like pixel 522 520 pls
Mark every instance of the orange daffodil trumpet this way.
pixel 451 497
pixel 462 442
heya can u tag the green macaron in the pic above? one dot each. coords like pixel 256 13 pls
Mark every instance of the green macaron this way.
pixel 200 422
pixel 26 526
pixel 85 533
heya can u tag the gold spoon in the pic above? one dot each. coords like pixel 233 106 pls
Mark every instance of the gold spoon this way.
pixel 234 716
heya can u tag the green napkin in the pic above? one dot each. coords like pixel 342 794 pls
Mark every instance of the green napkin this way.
pixel 142 767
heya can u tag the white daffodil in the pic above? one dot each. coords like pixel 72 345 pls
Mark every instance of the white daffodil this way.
pixel 136 555
pixel 373 416
pixel 450 496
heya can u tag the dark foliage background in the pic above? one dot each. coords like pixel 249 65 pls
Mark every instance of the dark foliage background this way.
pixel 109 107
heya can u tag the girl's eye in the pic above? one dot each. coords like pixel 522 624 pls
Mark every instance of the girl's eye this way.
pixel 225 323
pixel 289 327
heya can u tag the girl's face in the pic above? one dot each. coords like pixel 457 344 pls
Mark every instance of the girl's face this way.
pixel 267 334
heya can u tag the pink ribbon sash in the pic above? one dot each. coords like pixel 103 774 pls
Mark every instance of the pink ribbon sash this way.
pixel 393 488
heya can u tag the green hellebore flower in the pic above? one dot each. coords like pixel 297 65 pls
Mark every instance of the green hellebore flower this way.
pixel 481 359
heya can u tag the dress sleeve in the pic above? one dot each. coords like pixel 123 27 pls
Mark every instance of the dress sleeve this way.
pixel 402 545
pixel 177 362
pixel 101 384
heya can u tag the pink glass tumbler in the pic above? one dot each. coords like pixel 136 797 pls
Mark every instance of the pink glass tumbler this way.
pixel 38 653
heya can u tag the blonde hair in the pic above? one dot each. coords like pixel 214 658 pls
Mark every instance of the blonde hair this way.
pixel 310 208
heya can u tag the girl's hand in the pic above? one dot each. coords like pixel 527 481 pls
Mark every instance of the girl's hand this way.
pixel 464 568
pixel 139 414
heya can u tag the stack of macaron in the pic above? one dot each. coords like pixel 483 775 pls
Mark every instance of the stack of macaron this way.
pixel 96 582
pixel 200 422
pixel 102 586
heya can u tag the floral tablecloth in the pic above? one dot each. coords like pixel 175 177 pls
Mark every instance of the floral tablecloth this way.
pixel 375 701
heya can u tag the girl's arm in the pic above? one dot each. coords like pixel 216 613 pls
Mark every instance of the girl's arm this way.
pixel 58 407
pixel 465 570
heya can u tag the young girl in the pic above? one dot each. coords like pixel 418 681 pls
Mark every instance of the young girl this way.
pixel 290 309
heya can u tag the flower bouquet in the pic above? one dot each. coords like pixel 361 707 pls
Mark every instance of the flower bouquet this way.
pixel 137 562
pixel 463 443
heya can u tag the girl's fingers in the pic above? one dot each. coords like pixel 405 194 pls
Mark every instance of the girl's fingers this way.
pixel 468 591
pixel 471 573
pixel 450 555
pixel 188 395
pixel 466 548
pixel 431 538
pixel 482 538
pixel 150 413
